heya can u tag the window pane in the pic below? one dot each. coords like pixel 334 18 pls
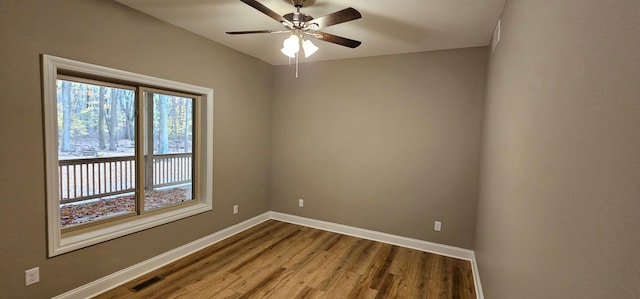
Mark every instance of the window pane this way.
pixel 96 145
pixel 169 148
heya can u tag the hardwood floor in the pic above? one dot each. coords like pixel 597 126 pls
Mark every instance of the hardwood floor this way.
pixel 282 260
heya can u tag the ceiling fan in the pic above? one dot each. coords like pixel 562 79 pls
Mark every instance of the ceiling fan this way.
pixel 301 25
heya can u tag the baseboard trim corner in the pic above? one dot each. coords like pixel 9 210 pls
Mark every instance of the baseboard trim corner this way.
pixel 436 248
pixel 446 250
pixel 476 278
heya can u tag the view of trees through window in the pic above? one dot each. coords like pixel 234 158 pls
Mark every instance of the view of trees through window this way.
pixel 98 165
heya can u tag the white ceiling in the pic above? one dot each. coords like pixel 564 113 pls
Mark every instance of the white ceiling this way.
pixel 386 27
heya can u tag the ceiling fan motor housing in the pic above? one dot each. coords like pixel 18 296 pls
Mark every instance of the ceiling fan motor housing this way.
pixel 298 19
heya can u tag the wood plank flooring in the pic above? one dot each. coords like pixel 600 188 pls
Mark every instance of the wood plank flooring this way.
pixel 282 260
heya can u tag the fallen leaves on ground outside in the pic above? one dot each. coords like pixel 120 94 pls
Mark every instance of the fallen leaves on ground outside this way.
pixel 77 213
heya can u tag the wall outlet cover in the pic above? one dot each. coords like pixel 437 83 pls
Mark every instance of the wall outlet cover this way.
pixel 437 226
pixel 31 276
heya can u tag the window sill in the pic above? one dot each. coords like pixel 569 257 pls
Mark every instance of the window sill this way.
pixel 80 238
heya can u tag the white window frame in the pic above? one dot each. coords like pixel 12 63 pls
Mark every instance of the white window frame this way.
pixel 60 242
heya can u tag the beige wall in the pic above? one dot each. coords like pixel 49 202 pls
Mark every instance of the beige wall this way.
pixel 559 212
pixel 385 143
pixel 106 33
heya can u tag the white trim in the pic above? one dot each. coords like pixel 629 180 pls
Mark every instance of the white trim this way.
pixel 106 283
pixel 476 278
pixel 446 250
pixel 100 233
pixel 495 38
pixel 49 73
pixel 59 243
pixel 440 249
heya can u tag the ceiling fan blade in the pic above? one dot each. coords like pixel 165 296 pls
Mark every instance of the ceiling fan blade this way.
pixel 343 41
pixel 267 11
pixel 345 15
pixel 257 31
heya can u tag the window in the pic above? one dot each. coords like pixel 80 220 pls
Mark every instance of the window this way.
pixel 124 152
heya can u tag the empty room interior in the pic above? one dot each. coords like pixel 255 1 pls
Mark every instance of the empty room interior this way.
pixel 502 133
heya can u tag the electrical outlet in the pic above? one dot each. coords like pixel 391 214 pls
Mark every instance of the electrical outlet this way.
pixel 31 276
pixel 437 226
pixel 235 209
pixel 301 202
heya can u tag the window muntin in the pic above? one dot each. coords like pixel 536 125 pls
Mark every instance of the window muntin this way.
pixel 64 239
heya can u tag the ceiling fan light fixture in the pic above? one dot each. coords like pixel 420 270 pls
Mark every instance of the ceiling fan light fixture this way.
pixel 309 48
pixel 288 52
pixel 291 46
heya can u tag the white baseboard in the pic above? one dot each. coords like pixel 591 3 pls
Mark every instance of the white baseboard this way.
pixel 106 283
pixel 445 250
pixel 111 281
pixel 421 245
pixel 476 278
